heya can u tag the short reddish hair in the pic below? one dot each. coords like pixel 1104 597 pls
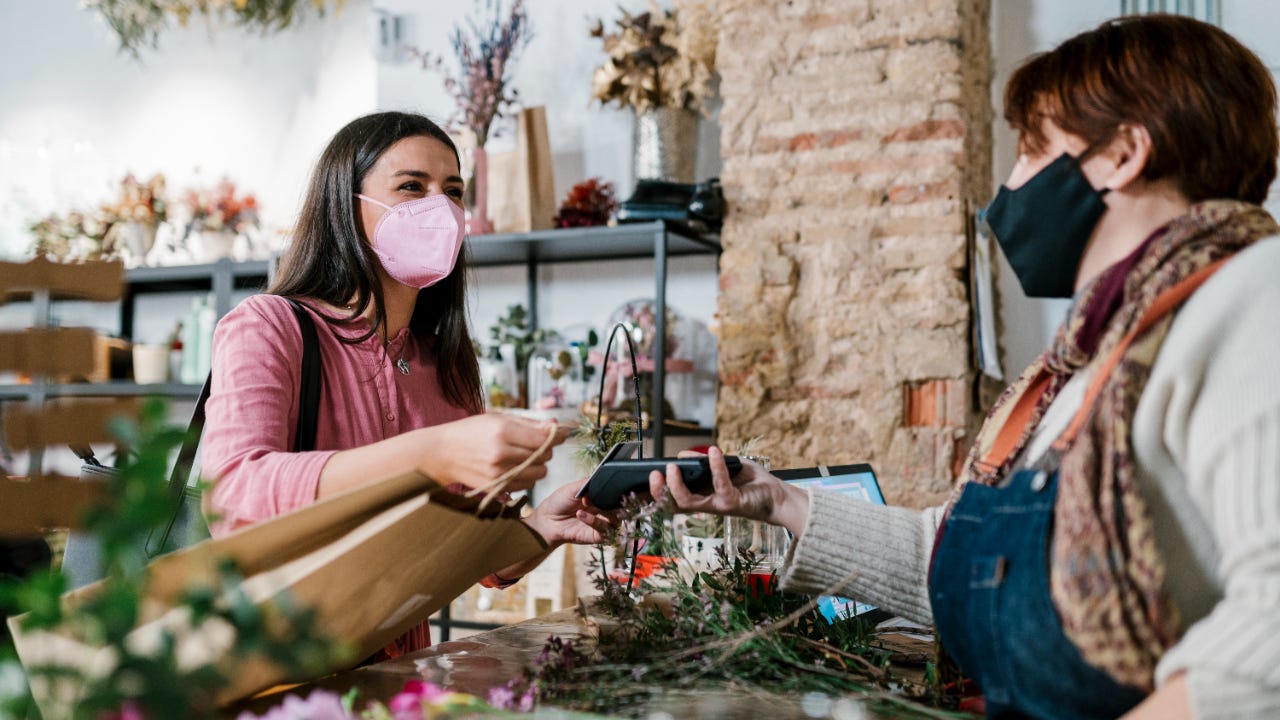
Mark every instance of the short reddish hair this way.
pixel 1207 101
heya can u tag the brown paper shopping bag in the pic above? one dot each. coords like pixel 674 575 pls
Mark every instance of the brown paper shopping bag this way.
pixel 521 183
pixel 372 563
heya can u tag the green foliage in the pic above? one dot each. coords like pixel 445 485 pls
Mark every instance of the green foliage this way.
pixel 596 441
pixel 138 23
pixel 514 328
pixel 136 500
pixel 684 630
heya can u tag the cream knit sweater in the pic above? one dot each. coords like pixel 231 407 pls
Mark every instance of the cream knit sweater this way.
pixel 1206 437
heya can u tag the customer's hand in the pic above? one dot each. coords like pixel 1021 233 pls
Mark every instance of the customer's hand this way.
pixel 753 493
pixel 477 450
pixel 564 518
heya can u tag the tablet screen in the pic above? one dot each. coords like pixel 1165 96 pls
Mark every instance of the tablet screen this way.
pixel 857 481
pixel 854 480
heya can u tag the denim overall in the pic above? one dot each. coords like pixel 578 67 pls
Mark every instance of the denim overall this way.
pixel 989 577
pixel 991 603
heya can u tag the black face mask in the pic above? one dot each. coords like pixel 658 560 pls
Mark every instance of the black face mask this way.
pixel 1044 226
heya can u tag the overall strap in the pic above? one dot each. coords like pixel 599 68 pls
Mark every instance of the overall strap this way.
pixel 1015 426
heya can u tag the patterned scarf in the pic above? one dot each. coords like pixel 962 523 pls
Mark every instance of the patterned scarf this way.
pixel 1107 576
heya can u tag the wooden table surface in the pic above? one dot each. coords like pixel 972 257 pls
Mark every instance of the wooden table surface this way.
pixel 477 663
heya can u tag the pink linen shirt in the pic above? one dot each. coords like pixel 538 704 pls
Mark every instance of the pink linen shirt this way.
pixel 252 409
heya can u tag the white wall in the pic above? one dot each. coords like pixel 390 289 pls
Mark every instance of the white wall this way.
pixel 1022 27
pixel 1018 29
pixel 76 115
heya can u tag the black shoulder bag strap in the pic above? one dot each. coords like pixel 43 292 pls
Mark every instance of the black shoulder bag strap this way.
pixel 304 435
pixel 309 388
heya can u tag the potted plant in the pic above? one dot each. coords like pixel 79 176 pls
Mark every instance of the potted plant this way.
pixel 139 209
pixel 660 64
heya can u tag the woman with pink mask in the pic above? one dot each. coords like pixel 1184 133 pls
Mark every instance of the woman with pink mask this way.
pixel 377 261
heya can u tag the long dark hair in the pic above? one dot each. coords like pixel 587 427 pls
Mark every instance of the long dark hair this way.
pixel 330 260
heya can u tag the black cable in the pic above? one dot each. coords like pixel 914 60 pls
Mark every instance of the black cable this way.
pixel 635 382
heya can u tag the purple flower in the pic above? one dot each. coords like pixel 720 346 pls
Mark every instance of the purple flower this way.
pixel 503 698
pixel 526 701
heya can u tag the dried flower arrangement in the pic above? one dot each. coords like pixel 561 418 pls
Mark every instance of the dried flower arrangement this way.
pixel 680 629
pixel 138 23
pixel 480 85
pixel 589 203
pixel 659 58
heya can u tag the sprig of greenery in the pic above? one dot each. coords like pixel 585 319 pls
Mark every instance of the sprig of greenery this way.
pixel 150 681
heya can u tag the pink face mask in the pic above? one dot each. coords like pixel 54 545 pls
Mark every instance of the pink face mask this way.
pixel 418 241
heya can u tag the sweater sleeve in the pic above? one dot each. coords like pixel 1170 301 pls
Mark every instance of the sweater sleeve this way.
pixel 1232 656
pixel 868 552
pixel 251 416
pixel 1222 427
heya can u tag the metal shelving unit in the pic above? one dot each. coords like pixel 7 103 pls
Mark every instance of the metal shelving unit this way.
pixel 659 240
pixel 221 278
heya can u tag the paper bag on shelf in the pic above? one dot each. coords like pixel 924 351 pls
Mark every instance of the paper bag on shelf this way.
pixel 372 563
pixel 521 183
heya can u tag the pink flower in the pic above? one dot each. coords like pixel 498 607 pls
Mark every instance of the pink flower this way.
pixel 429 692
pixel 405 706
pixel 319 705
pixel 129 710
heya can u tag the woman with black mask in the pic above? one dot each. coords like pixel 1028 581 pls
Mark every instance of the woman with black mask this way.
pixel 1114 545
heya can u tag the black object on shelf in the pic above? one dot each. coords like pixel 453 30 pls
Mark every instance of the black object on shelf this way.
pixel 701 204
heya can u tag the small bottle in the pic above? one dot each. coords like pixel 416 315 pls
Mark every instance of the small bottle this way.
pixel 191 344
pixel 206 320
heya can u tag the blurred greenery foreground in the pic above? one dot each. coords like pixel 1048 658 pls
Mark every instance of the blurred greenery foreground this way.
pixel 144 673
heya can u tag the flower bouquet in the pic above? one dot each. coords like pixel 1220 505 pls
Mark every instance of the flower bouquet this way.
pixel 74 236
pixel 138 210
pixel 589 203
pixel 214 217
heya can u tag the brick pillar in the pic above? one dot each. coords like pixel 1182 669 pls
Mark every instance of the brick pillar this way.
pixel 856 136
